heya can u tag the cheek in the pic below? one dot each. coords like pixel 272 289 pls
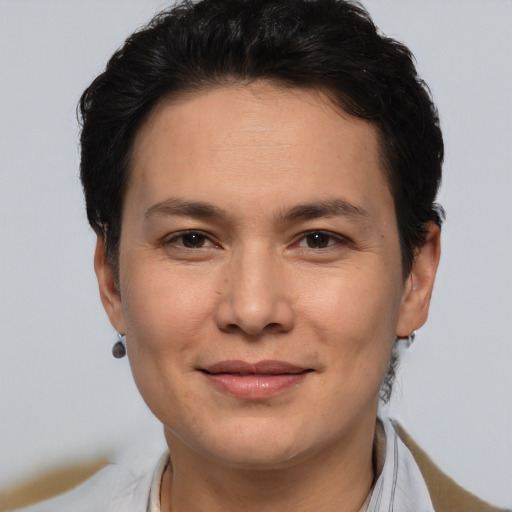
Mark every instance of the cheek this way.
pixel 166 319
pixel 165 323
pixel 356 298
pixel 355 316
pixel 161 303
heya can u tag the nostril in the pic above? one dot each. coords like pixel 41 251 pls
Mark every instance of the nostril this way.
pixel 231 328
pixel 271 328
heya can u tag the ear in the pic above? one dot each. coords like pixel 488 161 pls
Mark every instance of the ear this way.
pixel 419 284
pixel 109 291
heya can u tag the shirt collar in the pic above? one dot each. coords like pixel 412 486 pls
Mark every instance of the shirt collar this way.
pixel 400 487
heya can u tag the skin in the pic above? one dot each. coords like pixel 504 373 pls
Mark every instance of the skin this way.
pixel 260 279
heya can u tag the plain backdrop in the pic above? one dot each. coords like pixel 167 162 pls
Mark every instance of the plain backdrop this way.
pixel 64 398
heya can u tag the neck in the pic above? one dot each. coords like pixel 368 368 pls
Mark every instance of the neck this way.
pixel 337 477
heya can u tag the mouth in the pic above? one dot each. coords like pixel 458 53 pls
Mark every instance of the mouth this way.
pixel 254 381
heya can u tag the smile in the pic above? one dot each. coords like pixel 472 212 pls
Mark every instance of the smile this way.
pixel 254 381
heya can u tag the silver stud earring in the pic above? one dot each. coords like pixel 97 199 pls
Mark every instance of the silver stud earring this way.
pixel 119 348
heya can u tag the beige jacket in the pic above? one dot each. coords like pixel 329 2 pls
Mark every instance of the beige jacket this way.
pixel 445 493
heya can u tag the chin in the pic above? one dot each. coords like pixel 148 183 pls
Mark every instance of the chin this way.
pixel 260 455
pixel 250 443
pixel 262 443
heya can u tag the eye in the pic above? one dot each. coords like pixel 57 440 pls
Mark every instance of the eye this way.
pixel 190 240
pixel 319 240
pixel 193 240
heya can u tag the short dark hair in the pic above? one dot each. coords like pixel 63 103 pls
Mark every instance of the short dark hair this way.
pixel 331 45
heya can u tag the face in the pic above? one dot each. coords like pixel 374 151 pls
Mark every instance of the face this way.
pixel 260 284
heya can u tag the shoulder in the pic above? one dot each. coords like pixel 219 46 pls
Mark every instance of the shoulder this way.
pixel 124 485
pixel 445 493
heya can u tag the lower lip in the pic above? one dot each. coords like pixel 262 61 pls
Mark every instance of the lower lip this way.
pixel 255 387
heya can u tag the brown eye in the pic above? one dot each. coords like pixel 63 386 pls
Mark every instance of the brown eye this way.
pixel 188 240
pixel 193 240
pixel 318 240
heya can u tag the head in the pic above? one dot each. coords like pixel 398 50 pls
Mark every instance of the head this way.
pixel 290 58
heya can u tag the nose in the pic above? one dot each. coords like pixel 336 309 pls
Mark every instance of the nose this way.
pixel 256 296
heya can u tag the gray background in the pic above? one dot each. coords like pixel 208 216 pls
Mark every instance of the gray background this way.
pixel 63 397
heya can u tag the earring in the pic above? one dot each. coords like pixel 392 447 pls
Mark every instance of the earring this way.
pixel 119 348
pixel 410 339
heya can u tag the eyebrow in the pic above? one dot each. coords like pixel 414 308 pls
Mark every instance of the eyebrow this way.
pixel 183 208
pixel 306 211
pixel 330 208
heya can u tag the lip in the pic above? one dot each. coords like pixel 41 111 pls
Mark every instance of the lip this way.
pixel 254 381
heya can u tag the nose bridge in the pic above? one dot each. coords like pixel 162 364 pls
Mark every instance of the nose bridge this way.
pixel 256 297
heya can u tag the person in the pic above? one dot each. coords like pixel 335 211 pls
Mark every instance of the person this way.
pixel 262 177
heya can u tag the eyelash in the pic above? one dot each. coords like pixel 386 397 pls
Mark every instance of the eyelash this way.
pixel 336 239
pixel 332 240
pixel 177 236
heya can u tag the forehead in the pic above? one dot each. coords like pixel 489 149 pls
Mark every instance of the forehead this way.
pixel 245 138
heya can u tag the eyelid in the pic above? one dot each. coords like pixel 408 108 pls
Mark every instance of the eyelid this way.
pixel 172 237
pixel 339 238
